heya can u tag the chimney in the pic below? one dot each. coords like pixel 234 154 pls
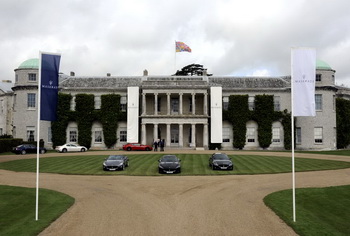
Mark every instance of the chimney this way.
pixel 108 74
pixel 72 73
pixel 145 73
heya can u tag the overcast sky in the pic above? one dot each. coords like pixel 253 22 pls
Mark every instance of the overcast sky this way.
pixel 124 37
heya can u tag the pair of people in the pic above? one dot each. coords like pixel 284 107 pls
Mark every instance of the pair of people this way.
pixel 158 143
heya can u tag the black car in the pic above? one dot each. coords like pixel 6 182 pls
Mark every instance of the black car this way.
pixel 116 162
pixel 220 161
pixel 27 148
pixel 169 164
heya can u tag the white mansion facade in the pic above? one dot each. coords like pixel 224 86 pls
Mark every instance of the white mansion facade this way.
pixel 186 111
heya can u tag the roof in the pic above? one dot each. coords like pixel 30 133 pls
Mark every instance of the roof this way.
pixel 6 87
pixel 122 82
pixel 32 63
pixel 321 65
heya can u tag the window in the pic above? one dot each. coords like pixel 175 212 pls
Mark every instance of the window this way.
pixel 276 103
pixel 190 104
pixel 298 135
pixel 334 103
pixel 73 135
pixel 251 135
pixel 123 135
pixel 225 101
pixel 318 102
pixel 0 131
pixel 1 106
pixel 97 102
pixel 175 105
pixel 98 135
pixel 123 104
pixel 251 104
pixel 174 134
pixel 318 77
pixel 49 135
pixel 32 77
pixel 318 134
pixel 225 134
pixel 16 78
pixel 31 100
pixel 159 104
pixel 30 133
pixel 276 138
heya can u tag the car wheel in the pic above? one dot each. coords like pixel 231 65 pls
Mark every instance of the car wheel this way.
pixel 23 152
pixel 42 151
pixel 179 171
pixel 64 150
pixel 128 149
pixel 160 171
pixel 148 149
pixel 82 150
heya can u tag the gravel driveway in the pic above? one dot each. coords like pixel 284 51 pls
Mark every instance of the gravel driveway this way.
pixel 172 205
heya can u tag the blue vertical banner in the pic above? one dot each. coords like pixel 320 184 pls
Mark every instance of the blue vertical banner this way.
pixel 49 69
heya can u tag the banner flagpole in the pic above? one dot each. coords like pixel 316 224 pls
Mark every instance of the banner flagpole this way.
pixel 38 143
pixel 303 77
pixel 293 160
pixel 47 103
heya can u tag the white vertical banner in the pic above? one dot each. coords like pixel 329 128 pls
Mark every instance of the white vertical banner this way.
pixel 133 115
pixel 216 114
pixel 303 67
pixel 303 81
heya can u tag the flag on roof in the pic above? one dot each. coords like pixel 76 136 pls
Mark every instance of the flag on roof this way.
pixel 182 47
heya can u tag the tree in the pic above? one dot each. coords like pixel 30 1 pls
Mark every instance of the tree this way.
pixel 191 70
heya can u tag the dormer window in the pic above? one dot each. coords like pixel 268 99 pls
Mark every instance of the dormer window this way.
pixel 32 77
pixel 318 77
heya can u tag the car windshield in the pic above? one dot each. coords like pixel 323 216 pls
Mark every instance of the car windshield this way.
pixel 169 159
pixel 114 158
pixel 220 157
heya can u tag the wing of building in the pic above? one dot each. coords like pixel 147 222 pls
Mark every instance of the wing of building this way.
pixel 185 111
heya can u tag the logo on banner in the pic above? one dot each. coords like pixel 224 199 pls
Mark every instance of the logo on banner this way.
pixel 304 80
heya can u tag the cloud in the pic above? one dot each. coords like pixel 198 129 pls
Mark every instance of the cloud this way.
pixel 125 37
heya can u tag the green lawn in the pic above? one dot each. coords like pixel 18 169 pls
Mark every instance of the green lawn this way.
pixel 333 152
pixel 319 211
pixel 17 209
pixel 192 164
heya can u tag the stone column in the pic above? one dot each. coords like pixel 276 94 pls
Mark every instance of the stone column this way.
pixel 181 135
pixel 168 141
pixel 205 102
pixel 155 103
pixel 144 108
pixel 193 103
pixel 155 132
pixel 143 133
pixel 205 137
pixel 180 103
pixel 193 141
pixel 168 103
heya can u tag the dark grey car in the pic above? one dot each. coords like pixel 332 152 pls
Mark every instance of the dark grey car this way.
pixel 116 162
pixel 169 164
pixel 220 161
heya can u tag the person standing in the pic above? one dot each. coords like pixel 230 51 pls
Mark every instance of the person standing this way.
pixel 162 143
pixel 155 145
